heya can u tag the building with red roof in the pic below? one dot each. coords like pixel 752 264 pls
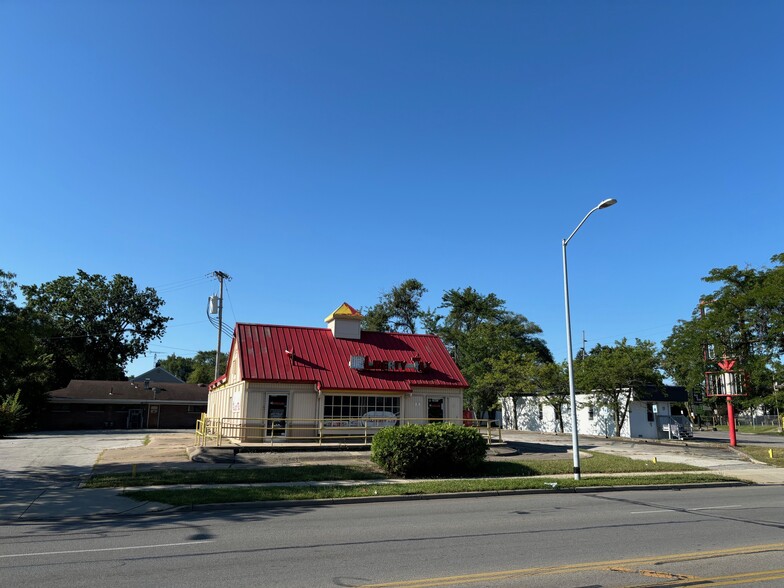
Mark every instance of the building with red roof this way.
pixel 305 383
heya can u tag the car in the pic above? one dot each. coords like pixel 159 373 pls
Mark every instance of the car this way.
pixel 379 418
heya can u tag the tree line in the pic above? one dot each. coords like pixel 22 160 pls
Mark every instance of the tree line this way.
pixel 501 352
pixel 85 327
pixel 89 327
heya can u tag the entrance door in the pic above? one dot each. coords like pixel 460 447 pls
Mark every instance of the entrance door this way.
pixel 135 418
pixel 153 416
pixel 277 408
pixel 435 410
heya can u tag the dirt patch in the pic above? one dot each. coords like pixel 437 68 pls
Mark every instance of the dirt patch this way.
pixel 164 451
pixel 171 451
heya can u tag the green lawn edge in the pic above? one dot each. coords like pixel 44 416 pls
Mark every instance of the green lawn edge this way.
pixel 598 463
pixel 233 494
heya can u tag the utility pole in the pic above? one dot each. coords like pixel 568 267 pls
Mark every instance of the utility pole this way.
pixel 221 276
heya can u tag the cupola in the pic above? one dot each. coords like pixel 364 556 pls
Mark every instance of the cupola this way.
pixel 345 322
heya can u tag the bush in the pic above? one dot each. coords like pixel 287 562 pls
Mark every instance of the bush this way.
pixel 12 412
pixel 428 450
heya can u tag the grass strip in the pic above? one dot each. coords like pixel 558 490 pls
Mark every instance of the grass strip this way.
pixel 243 494
pixel 598 463
pixel 304 473
pixel 763 454
pixel 753 429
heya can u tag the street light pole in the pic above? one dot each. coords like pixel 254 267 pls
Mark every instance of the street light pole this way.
pixel 569 359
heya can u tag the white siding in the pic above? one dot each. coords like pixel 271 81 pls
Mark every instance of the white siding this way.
pixel 602 424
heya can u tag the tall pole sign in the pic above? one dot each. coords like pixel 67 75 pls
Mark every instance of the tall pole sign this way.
pixel 727 382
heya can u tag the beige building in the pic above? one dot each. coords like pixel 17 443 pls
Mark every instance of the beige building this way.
pixel 302 383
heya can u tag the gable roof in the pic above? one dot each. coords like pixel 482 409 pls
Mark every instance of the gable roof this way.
pixel 158 374
pixel 273 353
pixel 108 391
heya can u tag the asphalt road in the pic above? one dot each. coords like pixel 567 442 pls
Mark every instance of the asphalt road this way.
pixel 608 539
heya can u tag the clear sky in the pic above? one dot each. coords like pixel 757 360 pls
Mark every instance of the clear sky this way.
pixel 321 152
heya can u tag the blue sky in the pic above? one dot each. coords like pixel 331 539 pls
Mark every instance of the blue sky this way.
pixel 321 152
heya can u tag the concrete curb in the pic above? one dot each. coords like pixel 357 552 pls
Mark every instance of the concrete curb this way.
pixel 270 504
pixel 166 510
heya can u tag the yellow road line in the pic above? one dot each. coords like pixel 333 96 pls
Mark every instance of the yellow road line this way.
pixel 733 579
pixel 570 568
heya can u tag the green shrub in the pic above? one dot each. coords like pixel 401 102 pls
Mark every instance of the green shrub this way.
pixel 428 450
pixel 12 412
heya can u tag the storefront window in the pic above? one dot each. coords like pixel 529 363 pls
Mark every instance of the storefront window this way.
pixel 348 411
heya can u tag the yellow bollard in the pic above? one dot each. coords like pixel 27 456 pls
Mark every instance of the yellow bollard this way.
pixel 654 460
pixel 770 453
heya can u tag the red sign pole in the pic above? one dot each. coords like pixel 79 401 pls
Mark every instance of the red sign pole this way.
pixel 731 422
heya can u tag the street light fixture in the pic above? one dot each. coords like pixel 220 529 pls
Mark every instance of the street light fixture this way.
pixel 569 360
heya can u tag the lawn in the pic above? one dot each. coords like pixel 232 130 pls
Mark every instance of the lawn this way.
pixel 598 463
pixel 753 429
pixel 245 494
pixel 230 485
pixel 770 455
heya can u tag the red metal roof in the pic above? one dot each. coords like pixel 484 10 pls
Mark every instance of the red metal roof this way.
pixel 271 353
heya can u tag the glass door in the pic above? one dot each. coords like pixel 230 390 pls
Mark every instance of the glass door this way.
pixel 435 410
pixel 277 409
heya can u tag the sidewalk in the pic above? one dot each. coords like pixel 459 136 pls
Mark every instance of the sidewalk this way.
pixel 26 499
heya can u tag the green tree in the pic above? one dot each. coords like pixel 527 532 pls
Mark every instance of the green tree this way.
pixel 182 367
pixel 92 326
pixel 25 367
pixel 480 332
pixel 376 318
pixel 612 372
pixel 204 367
pixel 552 385
pixel 742 318
pixel 398 310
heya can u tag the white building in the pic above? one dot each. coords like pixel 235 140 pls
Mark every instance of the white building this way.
pixel 649 416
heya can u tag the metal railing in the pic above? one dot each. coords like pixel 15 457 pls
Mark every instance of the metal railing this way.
pixel 329 431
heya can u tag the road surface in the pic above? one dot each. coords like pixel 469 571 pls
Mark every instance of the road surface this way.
pixel 694 537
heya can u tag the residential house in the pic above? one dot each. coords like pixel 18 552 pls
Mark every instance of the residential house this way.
pixel 93 404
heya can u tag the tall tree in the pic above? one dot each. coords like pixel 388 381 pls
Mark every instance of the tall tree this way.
pixel 25 367
pixel 376 318
pixel 743 318
pixel 95 326
pixel 613 372
pixel 478 330
pixel 398 310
